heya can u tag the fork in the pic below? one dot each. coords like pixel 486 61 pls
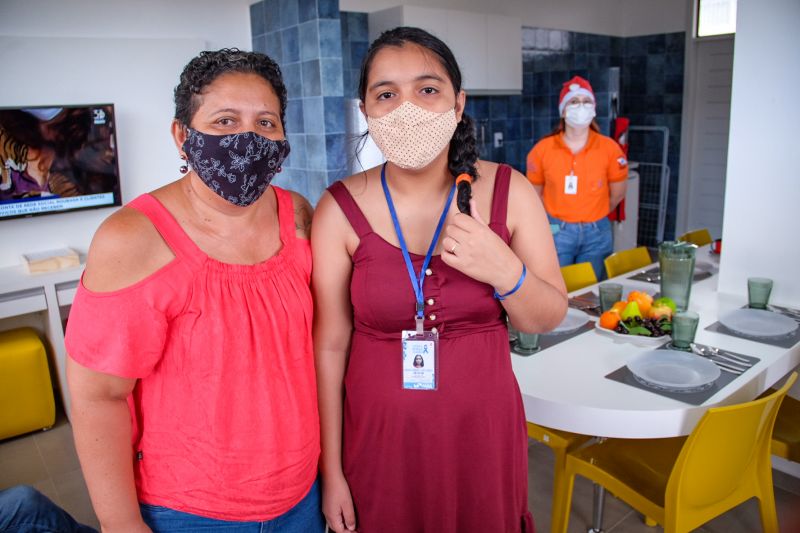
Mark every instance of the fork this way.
pixel 723 364
pixel 729 356
pixel 791 313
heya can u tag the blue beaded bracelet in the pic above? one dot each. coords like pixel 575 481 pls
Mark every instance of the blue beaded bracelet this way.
pixel 502 297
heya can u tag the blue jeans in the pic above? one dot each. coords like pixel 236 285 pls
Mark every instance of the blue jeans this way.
pixel 24 509
pixel 305 517
pixel 579 242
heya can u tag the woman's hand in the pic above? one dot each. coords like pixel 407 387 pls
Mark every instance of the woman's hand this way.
pixel 471 247
pixel 337 504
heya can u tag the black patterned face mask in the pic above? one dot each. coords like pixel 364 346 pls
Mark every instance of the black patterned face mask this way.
pixel 239 167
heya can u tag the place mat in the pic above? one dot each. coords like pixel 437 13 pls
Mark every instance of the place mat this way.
pixel 624 375
pixel 551 339
pixel 547 340
pixel 794 314
pixel 652 275
pixel 784 341
pixel 588 302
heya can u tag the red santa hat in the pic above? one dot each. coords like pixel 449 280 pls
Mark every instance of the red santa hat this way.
pixel 577 86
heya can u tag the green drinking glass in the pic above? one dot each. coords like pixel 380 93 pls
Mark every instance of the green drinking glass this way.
pixel 758 291
pixel 676 265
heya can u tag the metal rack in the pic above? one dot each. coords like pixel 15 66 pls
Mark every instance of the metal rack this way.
pixel 649 146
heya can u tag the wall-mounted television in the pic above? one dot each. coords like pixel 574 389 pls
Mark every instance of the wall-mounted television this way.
pixel 57 159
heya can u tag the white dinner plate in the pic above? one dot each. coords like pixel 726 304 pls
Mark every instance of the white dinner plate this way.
pixel 701 267
pixel 574 319
pixel 673 370
pixel 636 339
pixel 758 323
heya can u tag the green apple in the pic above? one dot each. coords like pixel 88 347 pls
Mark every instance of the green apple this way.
pixel 664 300
pixel 659 311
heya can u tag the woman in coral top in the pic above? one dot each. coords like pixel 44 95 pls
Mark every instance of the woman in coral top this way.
pixel 191 364
pixel 581 176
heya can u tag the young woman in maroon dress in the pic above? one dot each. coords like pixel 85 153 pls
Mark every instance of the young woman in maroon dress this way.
pixel 451 457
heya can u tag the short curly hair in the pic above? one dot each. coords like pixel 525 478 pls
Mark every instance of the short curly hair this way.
pixel 209 65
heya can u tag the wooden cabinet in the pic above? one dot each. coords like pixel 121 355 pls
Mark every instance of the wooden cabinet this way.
pixel 488 48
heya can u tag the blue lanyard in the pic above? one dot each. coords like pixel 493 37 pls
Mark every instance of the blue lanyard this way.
pixel 416 281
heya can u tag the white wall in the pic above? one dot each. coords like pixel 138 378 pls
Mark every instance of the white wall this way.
pixel 762 195
pixel 623 18
pixel 98 51
pixel 219 23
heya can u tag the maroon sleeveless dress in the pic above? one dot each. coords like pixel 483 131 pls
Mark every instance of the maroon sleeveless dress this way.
pixel 444 461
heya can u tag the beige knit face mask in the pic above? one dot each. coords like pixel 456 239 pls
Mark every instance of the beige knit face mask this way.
pixel 412 137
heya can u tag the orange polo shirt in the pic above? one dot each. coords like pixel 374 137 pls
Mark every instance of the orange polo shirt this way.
pixel 599 163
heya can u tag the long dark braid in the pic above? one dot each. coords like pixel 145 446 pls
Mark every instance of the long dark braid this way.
pixel 463 153
pixel 461 159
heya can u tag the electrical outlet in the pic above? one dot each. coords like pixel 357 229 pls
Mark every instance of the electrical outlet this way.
pixel 498 139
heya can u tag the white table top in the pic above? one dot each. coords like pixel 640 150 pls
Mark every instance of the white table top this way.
pixel 564 387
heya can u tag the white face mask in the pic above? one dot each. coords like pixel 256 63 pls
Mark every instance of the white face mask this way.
pixel 579 115
pixel 412 137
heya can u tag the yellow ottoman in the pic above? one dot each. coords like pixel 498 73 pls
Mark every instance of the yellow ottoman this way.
pixel 26 393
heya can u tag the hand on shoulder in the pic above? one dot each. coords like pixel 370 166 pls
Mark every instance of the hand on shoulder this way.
pixel 125 249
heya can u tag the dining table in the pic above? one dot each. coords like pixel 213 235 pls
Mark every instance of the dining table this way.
pixel 565 387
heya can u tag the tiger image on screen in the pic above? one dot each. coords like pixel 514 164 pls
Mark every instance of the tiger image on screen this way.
pixel 52 153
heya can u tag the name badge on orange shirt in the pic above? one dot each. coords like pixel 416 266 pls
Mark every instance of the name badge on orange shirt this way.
pixel 570 184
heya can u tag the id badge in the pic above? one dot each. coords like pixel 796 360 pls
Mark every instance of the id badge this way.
pixel 420 361
pixel 570 184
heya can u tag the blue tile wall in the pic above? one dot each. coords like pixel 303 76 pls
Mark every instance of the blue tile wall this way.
pixel 309 40
pixel 306 38
pixel 290 47
pixel 652 89
pixel 355 41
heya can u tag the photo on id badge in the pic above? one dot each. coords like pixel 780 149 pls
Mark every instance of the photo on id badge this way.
pixel 419 363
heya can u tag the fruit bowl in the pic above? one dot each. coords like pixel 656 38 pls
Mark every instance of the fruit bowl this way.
pixel 636 339
pixel 639 316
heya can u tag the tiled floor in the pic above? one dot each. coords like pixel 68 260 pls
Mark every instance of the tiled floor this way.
pixel 47 460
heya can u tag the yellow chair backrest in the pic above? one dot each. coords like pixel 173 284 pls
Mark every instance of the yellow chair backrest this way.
pixel 621 262
pixel 786 435
pixel 700 237
pixel 578 276
pixel 725 458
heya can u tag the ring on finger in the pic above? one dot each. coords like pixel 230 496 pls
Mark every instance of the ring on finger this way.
pixel 453 248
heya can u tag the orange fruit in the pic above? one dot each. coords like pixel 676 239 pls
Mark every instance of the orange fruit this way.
pixel 644 300
pixel 609 319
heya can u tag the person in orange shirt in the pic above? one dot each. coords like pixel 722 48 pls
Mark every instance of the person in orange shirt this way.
pixel 581 176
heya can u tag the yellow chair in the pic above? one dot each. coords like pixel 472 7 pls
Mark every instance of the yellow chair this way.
pixel 700 237
pixel 26 392
pixel 786 434
pixel 684 482
pixel 560 442
pixel 626 260
pixel 578 276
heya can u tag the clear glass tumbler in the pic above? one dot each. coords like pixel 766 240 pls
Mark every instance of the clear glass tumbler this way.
pixel 676 263
pixel 758 291
pixel 610 293
pixel 527 343
pixel 684 327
